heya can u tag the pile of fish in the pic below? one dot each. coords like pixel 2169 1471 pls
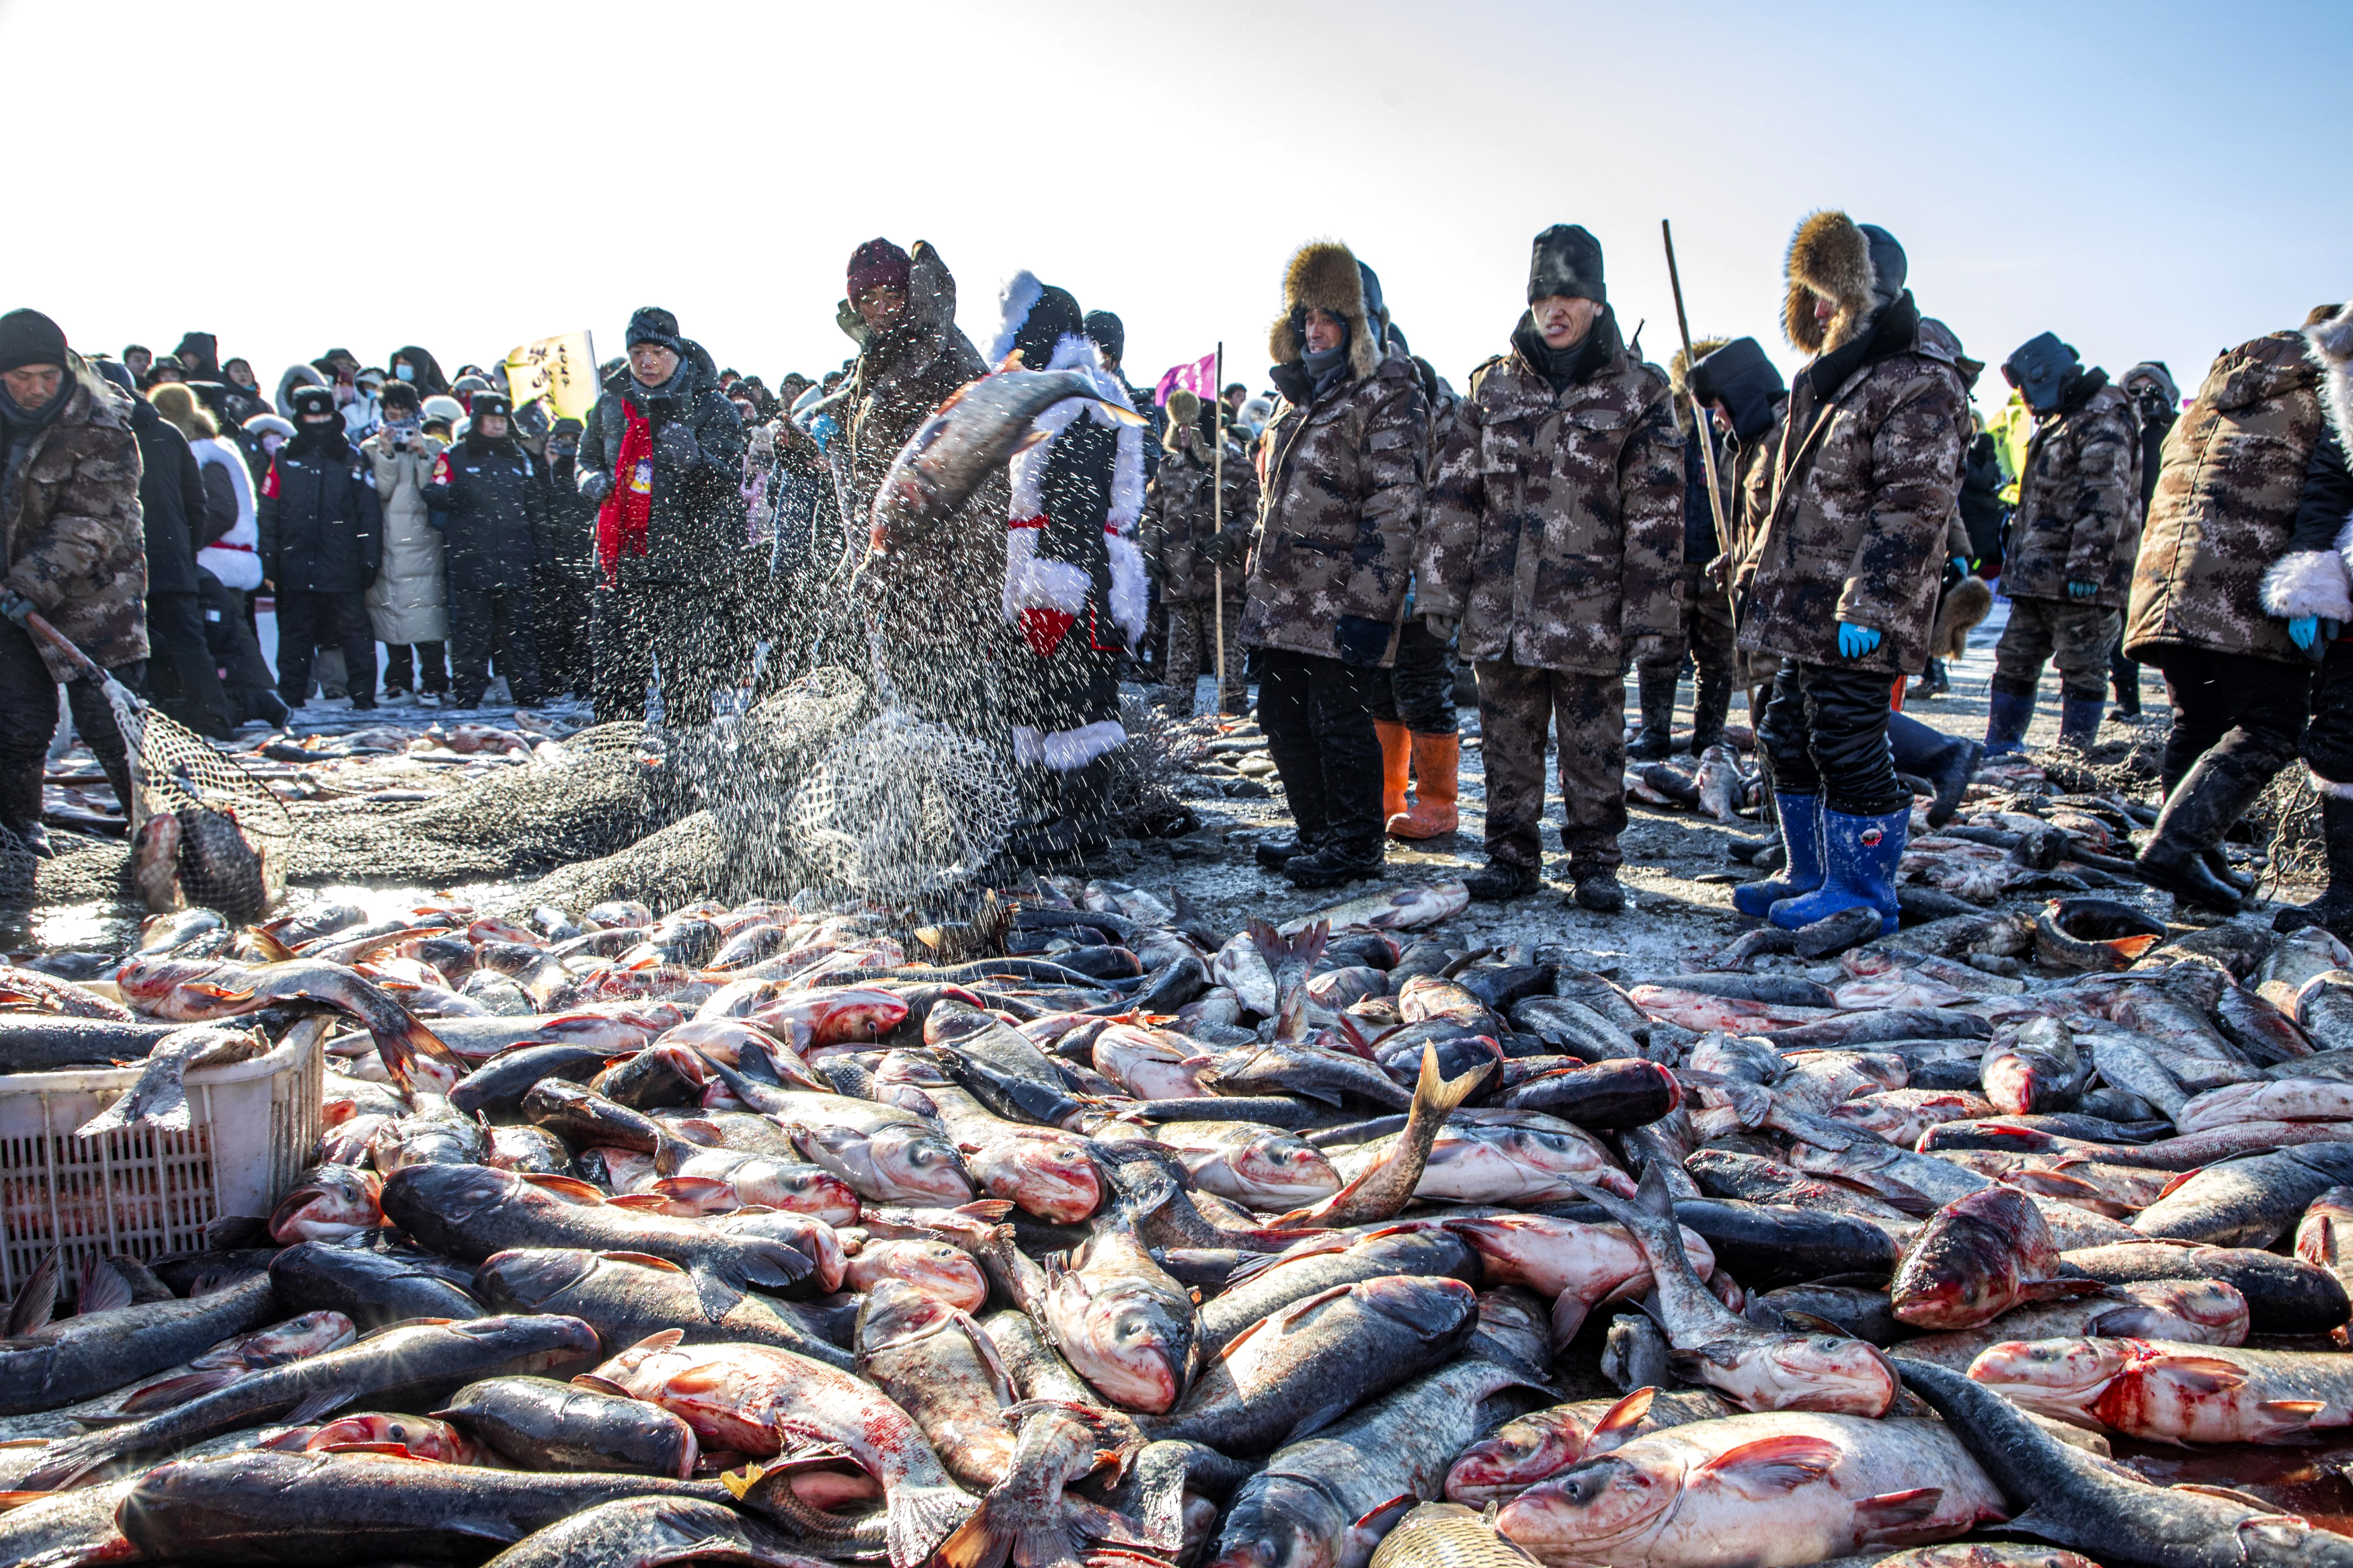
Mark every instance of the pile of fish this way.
pixel 1078 1232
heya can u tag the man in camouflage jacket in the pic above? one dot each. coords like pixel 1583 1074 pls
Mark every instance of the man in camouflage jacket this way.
pixel 76 554
pixel 2068 564
pixel 1842 581
pixel 2224 510
pixel 1344 466
pixel 1192 546
pixel 1554 540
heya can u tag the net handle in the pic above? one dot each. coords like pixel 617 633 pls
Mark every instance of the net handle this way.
pixel 65 648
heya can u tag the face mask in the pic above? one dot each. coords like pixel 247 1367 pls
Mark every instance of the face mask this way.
pixel 405 371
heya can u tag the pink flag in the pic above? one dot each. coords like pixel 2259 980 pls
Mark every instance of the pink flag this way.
pixel 1196 378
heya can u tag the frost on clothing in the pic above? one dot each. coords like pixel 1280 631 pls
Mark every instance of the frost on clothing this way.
pixel 69 519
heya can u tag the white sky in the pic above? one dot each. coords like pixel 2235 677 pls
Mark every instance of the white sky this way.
pixel 2152 180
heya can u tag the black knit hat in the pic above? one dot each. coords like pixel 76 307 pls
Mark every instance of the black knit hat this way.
pixel 1109 332
pixel 1054 317
pixel 652 324
pixel 1567 262
pixel 28 337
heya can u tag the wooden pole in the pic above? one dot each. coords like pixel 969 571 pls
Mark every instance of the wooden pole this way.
pixel 1218 519
pixel 1702 422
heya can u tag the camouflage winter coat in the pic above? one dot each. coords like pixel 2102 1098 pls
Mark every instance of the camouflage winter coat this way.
pixel 1864 487
pixel 2225 505
pixel 1556 527
pixel 1750 481
pixel 2079 503
pixel 1344 478
pixel 69 516
pixel 1179 524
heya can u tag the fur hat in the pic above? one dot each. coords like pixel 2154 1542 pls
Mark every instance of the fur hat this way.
pixel 311 400
pixel 1184 409
pixel 1324 275
pixel 1830 257
pixel 1958 616
pixel 486 404
pixel 262 424
pixel 178 405
pixel 1567 262
pixel 2332 351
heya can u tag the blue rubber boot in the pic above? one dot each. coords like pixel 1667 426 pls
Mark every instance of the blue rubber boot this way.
pixel 1859 856
pixel 2079 720
pixel 2008 713
pixel 1802 841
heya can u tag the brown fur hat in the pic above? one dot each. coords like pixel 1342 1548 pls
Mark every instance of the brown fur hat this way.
pixel 1324 276
pixel 1184 408
pixel 1968 603
pixel 1679 375
pixel 1829 256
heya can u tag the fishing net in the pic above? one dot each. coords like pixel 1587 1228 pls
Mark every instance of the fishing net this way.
pixel 902 809
pixel 178 774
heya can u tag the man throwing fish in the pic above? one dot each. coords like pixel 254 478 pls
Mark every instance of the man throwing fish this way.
pixel 1556 541
pixel 1842 581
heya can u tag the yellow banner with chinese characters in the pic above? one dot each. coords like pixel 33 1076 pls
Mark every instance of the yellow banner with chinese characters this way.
pixel 562 369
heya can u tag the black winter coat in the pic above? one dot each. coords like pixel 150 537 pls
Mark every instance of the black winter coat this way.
pixel 1980 502
pixel 494 500
pixel 172 501
pixel 568 542
pixel 696 532
pixel 321 526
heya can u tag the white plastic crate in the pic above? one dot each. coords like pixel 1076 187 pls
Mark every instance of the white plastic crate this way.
pixel 145 1192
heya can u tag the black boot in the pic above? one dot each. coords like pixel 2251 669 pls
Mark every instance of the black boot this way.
pixel 118 779
pixel 2333 911
pixel 2214 794
pixel 1076 830
pixel 1656 738
pixel 1596 889
pixel 20 803
pixel 1338 861
pixel 1275 854
pixel 1711 702
pixel 1501 879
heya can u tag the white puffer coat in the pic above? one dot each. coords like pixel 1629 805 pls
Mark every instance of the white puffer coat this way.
pixel 409 601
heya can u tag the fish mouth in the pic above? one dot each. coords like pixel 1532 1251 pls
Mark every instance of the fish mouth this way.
pixel 1137 1374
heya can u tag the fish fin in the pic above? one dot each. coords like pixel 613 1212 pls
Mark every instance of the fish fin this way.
pixel 1813 1323
pixel 645 1260
pixel 1122 413
pixel 1774 1465
pixel 1627 1414
pixel 652 1203
pixel 2227 1494
pixel 36 1300
pixel 2293 1413
pixel 174 1391
pixel 1274 1322
pixel 1568 1315
pixel 1398 1504
pixel 1031 438
pixel 266 942
pixel 319 1404
pixel 775 1264
pixel 2130 948
pixel 570 1187
pixel 219 993
pixel 667 1340
pixel 920 1518
pixel 1894 1516
pixel 590 1380
pixel 991 1209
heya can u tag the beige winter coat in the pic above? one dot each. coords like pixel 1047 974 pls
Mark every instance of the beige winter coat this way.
pixel 409 601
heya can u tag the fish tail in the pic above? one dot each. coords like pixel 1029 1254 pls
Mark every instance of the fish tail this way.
pixel 1439 1097
pixel 919 1517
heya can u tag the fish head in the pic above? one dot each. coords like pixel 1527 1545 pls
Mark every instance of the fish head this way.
pixel 1524 1452
pixel 2062 1378
pixel 933 1267
pixel 895 1313
pixel 454 1195
pixel 151 979
pixel 1431 1308
pixel 1832 1373
pixel 1283 1522
pixel 1133 1349
pixel 849 1012
pixel 2215 1309
pixel 918 1165
pixel 331 1203
pixel 801 1191
pixel 306 1334
pixel 1578 1515
pixel 1284 1167
pixel 1049 1174
pixel 1964 1267
pixel 422 1436
pixel 527 1278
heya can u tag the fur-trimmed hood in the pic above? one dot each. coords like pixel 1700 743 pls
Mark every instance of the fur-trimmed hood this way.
pixel 1829 256
pixel 1679 375
pixel 2332 351
pixel 1324 276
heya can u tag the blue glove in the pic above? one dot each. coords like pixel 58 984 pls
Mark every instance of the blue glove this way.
pixel 1856 642
pixel 1961 564
pixel 823 429
pixel 2082 589
pixel 15 606
pixel 2305 632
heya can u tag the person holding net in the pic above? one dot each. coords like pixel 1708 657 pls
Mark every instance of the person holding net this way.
pixel 75 554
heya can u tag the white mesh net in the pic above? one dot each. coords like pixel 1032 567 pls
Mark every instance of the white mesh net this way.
pixel 233 835
pixel 901 809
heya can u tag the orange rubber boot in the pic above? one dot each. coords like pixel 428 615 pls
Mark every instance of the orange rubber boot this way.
pixel 1437 762
pixel 1396 757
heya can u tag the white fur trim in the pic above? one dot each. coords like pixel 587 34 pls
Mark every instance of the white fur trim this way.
pixel 1131 597
pixel 1066 751
pixel 2309 583
pixel 2327 787
pixel 1013 302
pixel 1035 581
pixel 2332 350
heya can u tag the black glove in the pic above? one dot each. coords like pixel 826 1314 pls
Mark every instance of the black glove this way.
pixel 677 444
pixel 15 606
pixel 1361 639
pixel 594 485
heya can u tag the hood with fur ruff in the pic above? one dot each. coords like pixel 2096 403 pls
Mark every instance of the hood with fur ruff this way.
pixel 1829 256
pixel 1324 276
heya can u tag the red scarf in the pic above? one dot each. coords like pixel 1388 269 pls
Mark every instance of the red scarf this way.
pixel 621 522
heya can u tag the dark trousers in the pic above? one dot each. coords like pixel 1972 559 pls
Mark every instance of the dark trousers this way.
pixel 483 621
pixel 1517 703
pixel 307 621
pixel 691 628
pixel 1318 719
pixel 28 720
pixel 182 678
pixel 1418 692
pixel 245 681
pixel 2327 745
pixel 2123 674
pixel 430 662
pixel 2250 709
pixel 1825 731
pixel 560 609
